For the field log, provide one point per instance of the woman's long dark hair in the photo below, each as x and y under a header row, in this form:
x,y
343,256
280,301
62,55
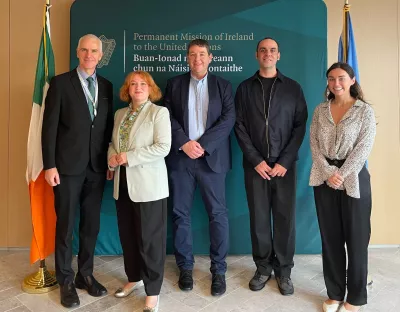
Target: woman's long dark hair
x,y
355,89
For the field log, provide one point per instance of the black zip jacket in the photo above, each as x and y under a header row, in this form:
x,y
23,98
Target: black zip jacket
x,y
273,132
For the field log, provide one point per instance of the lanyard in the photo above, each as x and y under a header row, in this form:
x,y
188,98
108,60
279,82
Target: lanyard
x,y
87,92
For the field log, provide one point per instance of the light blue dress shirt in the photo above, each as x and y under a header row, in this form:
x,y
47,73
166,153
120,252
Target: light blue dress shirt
x,y
198,107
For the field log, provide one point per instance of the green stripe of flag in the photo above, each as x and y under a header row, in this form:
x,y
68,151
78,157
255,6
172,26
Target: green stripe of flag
x,y
41,77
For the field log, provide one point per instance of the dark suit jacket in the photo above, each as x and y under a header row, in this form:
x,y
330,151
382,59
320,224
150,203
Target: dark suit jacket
x,y
220,121
70,140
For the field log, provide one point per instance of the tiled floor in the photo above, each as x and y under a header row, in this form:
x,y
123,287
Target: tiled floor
x,y
384,295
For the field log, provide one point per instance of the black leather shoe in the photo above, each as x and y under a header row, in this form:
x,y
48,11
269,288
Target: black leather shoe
x,y
258,281
186,280
285,285
69,297
89,283
218,285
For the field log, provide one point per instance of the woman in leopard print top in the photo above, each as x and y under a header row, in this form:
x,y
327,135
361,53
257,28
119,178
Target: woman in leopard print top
x,y
341,137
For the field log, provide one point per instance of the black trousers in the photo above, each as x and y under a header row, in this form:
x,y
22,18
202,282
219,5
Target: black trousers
x,y
143,234
273,249
84,190
345,220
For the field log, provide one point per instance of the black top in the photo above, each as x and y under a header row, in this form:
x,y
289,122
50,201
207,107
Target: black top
x,y
287,119
266,86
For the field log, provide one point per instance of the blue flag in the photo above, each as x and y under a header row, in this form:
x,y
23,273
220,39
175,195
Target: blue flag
x,y
347,45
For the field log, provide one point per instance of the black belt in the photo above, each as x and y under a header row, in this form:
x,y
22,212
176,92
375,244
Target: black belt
x,y
336,162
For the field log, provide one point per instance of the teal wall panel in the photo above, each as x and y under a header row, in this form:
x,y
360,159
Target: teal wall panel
x,y
300,27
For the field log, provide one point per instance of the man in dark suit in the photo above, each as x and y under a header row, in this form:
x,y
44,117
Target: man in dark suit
x,y
77,127
202,116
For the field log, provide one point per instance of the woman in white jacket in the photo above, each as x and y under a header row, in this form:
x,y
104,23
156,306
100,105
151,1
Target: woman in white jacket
x,y
141,139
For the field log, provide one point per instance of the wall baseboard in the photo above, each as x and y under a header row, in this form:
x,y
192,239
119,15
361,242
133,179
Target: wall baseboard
x,y
383,246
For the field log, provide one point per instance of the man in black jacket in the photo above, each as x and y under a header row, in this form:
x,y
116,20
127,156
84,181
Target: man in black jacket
x,y
77,126
270,126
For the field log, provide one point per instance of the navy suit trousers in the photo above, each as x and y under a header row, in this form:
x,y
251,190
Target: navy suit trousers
x,y
183,184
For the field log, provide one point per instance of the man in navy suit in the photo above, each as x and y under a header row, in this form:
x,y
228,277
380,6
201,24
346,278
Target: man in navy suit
x,y
202,116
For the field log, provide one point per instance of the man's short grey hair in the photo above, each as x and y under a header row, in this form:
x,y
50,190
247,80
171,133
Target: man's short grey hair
x,y
90,36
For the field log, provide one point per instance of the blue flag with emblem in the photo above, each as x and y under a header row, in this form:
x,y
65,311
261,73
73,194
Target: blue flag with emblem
x,y
347,45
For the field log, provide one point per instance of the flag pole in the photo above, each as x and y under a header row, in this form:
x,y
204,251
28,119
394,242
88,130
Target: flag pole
x,y
345,31
42,281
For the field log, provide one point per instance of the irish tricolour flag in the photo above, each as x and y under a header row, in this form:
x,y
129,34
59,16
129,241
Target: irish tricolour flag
x,y
41,194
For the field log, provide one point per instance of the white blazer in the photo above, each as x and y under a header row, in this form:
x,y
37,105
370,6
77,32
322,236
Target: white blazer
x,y
149,143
